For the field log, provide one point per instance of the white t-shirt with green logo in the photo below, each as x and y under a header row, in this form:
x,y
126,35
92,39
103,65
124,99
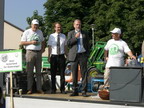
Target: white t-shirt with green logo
x,y
30,35
116,50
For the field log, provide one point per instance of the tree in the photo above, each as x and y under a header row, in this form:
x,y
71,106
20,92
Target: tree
x,y
126,14
41,22
65,12
105,14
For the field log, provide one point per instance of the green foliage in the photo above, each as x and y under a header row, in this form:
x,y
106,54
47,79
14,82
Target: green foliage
x,y
41,22
125,14
105,14
65,12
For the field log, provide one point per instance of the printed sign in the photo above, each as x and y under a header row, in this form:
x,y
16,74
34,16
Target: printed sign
x,y
11,61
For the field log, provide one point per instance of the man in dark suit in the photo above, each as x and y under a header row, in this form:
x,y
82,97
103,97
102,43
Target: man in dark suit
x,y
78,54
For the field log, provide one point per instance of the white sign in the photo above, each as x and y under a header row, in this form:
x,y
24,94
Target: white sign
x,y
11,61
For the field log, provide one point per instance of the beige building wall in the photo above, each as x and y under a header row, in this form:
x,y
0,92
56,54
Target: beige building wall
x,y
45,53
12,37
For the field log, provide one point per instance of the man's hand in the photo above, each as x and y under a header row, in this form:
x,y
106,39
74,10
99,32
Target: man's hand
x,y
34,42
133,57
77,35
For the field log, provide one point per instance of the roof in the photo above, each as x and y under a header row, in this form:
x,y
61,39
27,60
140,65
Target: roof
x,y
13,25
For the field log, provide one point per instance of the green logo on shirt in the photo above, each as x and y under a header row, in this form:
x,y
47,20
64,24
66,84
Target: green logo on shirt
x,y
114,49
36,38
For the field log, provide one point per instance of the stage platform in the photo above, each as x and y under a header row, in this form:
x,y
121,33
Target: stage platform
x,y
93,99
133,82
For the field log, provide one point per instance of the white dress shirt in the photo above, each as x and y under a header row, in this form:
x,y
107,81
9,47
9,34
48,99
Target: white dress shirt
x,y
52,41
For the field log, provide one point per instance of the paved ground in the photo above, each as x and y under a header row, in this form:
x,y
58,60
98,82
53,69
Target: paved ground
x,y
65,101
43,103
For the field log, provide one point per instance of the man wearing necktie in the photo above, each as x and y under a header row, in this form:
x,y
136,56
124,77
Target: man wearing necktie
x,y
78,55
56,52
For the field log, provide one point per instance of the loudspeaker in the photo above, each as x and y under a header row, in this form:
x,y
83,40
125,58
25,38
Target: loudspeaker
x,y
126,84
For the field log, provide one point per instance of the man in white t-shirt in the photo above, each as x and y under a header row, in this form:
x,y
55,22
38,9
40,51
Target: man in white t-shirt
x,y
114,53
33,41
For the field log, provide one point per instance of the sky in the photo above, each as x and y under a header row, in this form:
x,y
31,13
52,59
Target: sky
x,y
17,11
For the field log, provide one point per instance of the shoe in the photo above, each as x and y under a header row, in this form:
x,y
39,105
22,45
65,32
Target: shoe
x,y
74,94
53,92
40,92
29,92
63,92
84,94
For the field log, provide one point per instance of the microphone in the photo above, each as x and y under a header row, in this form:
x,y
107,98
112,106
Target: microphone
x,y
78,30
77,35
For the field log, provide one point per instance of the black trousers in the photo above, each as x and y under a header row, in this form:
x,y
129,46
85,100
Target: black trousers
x,y
81,59
58,64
